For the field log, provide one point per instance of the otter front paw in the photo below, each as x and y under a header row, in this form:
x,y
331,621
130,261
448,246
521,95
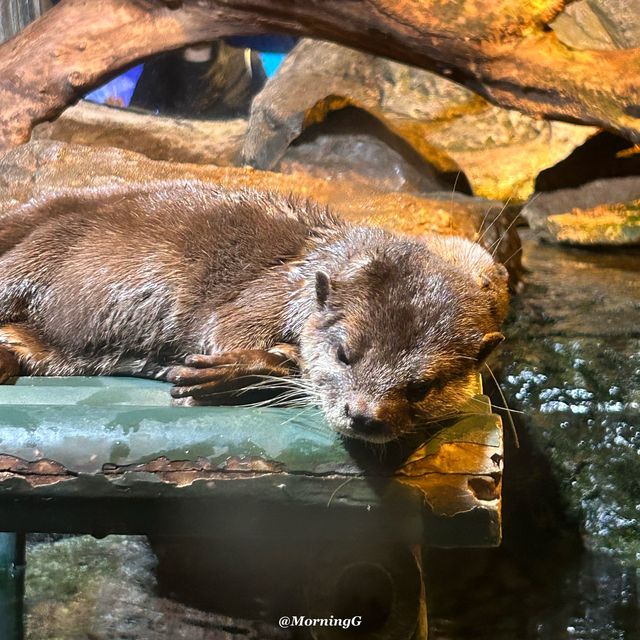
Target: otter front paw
x,y
232,376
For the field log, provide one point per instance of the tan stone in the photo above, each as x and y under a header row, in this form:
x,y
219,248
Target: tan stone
x,y
500,151
611,224
158,137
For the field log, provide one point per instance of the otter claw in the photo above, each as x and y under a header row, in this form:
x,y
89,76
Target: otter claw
x,y
211,377
195,391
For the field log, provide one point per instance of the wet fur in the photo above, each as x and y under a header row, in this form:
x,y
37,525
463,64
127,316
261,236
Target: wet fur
x,y
131,283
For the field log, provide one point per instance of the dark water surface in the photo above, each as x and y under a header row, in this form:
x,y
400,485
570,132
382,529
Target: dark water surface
x,y
569,566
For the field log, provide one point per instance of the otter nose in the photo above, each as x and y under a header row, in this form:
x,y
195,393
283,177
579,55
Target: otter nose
x,y
363,419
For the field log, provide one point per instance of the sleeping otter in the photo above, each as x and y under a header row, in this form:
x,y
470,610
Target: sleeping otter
x,y
213,290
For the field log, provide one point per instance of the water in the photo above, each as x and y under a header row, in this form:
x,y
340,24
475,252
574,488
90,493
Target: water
x,y
569,564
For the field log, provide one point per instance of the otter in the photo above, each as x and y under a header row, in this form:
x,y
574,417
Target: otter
x,y
213,290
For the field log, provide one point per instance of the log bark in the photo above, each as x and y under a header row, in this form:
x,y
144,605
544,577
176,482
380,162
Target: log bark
x,y
503,50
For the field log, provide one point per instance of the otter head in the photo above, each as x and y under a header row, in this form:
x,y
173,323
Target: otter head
x,y
399,330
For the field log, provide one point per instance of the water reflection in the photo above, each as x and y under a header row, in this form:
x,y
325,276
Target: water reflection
x,y
569,563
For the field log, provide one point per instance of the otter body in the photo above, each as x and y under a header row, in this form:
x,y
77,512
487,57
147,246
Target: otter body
x,y
382,331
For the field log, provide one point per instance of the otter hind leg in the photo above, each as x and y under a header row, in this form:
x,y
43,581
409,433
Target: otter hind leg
x,y
22,352
9,364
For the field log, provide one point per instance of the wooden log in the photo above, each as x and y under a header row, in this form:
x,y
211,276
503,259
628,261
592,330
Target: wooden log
x,y
503,50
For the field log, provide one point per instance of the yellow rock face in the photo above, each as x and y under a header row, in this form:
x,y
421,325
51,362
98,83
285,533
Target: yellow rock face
x,y
500,151
617,223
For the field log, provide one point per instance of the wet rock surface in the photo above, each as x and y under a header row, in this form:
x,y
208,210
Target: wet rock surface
x,y
569,563
598,212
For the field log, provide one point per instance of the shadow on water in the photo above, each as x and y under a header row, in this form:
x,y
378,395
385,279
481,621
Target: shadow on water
x,y
569,563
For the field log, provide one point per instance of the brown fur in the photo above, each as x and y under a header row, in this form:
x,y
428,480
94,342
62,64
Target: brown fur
x,y
132,283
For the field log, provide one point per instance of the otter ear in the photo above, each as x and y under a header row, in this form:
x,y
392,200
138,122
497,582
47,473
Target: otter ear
x,y
489,342
323,288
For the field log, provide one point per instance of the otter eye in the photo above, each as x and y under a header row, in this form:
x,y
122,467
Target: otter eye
x,y
342,355
416,391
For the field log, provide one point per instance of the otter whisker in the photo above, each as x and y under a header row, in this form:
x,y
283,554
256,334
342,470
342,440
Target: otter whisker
x,y
342,484
495,405
281,383
450,416
297,415
285,382
484,219
513,255
494,246
453,191
506,407
504,207
279,402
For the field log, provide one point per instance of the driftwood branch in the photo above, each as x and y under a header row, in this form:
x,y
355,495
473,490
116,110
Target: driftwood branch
x,y
503,50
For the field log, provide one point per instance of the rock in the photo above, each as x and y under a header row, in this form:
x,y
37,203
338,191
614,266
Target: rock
x,y
599,24
586,200
614,224
622,21
158,137
580,27
448,126
40,168
350,144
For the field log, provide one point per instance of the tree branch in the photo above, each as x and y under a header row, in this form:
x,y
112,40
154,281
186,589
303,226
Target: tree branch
x,y
501,49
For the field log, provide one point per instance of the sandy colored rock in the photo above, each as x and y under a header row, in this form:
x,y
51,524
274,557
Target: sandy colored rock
x,y
579,26
615,224
500,151
591,195
157,137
